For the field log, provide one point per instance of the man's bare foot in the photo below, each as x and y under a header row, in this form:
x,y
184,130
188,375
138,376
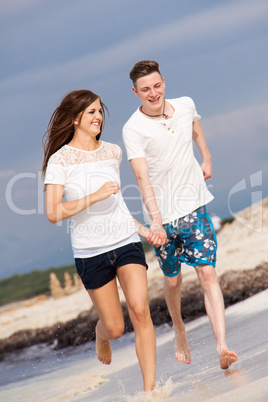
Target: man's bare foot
x,y
181,348
227,358
103,350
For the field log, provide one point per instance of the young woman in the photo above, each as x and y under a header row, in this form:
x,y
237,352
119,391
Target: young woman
x,y
85,171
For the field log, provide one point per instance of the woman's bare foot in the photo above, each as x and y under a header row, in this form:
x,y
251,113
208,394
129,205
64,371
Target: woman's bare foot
x,y
181,347
227,358
103,350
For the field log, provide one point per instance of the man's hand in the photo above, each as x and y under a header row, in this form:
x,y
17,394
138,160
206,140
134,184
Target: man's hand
x,y
207,169
157,235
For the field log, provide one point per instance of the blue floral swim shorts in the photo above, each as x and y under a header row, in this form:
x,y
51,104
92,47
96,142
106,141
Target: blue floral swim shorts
x,y
191,240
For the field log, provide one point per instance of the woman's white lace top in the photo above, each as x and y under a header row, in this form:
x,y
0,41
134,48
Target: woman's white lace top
x,y
81,172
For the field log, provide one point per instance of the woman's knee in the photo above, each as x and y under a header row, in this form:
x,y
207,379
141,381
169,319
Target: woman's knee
x,y
115,329
140,314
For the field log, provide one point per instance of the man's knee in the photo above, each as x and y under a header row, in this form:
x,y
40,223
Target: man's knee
x,y
173,282
207,274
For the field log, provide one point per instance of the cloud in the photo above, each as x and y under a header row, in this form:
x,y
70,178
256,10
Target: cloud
x,y
245,121
225,19
16,6
5,174
238,145
215,42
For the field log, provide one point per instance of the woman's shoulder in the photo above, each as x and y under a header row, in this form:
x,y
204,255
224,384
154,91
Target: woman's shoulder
x,y
58,158
112,149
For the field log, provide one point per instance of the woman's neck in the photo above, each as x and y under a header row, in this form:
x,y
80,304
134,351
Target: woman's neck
x,y
84,144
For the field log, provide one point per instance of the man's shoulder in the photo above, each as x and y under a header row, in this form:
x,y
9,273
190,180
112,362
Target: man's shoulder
x,y
183,101
133,122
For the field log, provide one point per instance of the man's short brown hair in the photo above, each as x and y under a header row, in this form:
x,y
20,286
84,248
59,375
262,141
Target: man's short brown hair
x,y
143,68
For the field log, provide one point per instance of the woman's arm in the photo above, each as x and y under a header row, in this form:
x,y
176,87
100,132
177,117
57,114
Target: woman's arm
x,y
58,211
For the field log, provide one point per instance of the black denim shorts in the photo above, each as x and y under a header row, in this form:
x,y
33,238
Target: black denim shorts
x,y
98,270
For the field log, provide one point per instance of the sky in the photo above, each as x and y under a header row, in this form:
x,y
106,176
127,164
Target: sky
x,y
213,51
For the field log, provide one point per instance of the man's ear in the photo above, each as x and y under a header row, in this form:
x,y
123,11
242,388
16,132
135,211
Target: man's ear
x,y
135,91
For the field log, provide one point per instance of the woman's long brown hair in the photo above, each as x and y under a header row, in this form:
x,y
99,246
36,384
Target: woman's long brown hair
x,y
60,130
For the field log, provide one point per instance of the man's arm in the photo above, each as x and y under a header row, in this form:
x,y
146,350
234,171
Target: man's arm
x,y
140,169
199,139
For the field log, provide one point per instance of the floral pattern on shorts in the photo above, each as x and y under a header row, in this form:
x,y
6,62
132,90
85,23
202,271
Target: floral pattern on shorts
x,y
191,240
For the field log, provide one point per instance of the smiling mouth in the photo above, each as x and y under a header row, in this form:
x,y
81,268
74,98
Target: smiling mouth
x,y
153,100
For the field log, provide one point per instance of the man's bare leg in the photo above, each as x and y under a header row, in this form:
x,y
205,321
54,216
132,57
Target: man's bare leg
x,y
172,292
214,304
227,358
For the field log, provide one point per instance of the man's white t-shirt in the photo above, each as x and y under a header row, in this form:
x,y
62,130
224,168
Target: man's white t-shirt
x,y
175,174
107,224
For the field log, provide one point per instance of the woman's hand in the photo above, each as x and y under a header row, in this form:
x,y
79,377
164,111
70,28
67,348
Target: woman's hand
x,y
105,191
157,236
58,211
146,233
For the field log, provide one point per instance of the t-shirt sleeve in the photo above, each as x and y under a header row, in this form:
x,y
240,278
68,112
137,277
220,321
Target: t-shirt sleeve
x,y
189,103
134,143
196,116
55,172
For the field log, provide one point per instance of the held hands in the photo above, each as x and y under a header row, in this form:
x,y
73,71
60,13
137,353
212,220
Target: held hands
x,y
157,235
105,191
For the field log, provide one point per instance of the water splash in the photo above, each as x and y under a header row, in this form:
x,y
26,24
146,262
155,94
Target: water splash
x,y
160,393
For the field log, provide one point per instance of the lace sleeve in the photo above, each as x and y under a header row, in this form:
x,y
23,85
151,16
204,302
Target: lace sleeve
x,y
56,159
55,172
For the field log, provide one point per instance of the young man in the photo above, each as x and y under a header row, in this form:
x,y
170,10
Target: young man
x,y
158,139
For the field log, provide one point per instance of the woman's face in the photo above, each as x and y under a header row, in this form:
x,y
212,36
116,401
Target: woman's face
x,y
91,119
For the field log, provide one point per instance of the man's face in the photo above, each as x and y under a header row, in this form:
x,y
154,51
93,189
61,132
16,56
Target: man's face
x,y
151,91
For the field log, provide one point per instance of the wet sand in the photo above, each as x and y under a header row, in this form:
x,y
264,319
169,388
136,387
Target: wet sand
x,y
85,379
203,380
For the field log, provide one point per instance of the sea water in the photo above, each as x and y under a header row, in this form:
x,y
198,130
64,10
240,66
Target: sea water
x,y
40,373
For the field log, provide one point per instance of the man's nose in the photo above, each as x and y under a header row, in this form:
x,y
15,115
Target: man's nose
x,y
152,92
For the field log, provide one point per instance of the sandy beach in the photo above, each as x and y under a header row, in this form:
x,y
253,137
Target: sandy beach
x,y
242,245
74,374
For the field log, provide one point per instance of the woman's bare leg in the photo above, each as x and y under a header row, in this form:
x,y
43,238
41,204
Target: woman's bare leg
x,y
133,280
111,323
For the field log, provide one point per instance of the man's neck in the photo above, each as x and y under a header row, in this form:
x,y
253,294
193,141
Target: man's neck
x,y
166,112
